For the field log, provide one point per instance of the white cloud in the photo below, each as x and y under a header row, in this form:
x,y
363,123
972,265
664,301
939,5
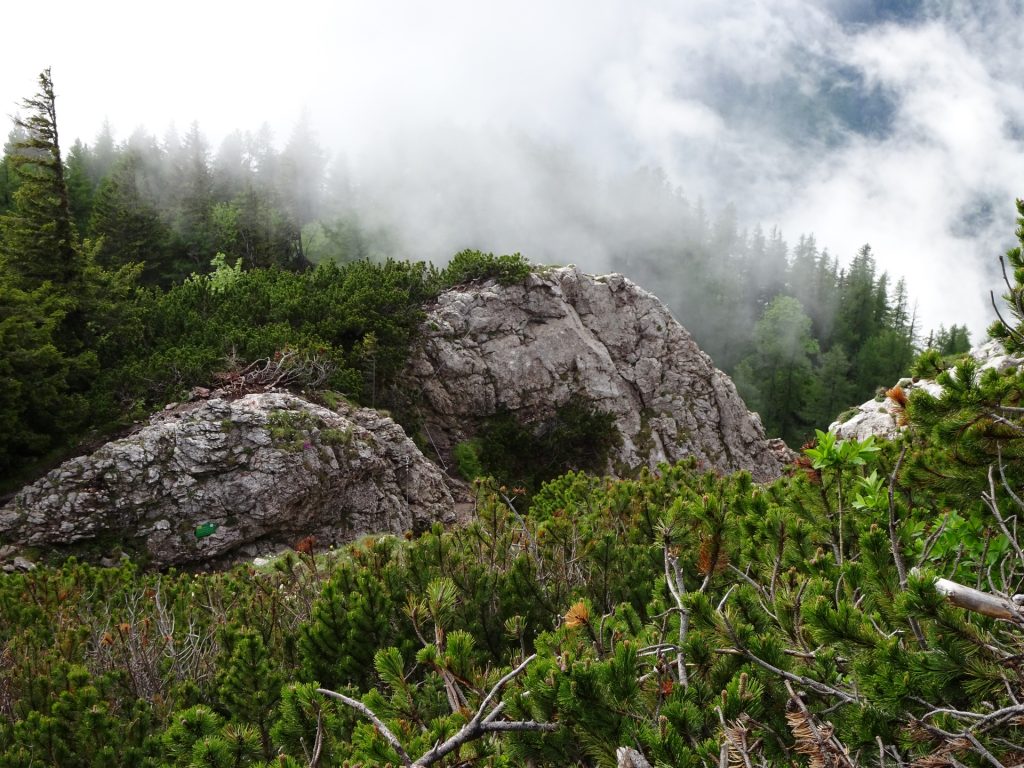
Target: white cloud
x,y
907,192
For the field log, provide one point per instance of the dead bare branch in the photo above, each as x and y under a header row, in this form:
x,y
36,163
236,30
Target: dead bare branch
x,y
372,717
482,722
674,579
975,600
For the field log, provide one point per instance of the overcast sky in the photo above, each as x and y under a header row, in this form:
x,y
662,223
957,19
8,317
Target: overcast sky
x,y
899,124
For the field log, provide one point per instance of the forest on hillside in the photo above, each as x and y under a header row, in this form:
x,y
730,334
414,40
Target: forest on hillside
x,y
677,618
131,271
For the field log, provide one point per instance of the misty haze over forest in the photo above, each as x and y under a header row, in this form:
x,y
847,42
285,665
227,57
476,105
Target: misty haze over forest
x,y
512,128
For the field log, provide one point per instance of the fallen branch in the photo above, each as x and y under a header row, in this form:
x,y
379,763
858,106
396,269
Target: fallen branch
x,y
975,600
368,713
479,725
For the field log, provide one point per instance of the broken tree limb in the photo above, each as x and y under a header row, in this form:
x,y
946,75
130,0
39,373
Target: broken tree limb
x,y
975,600
479,725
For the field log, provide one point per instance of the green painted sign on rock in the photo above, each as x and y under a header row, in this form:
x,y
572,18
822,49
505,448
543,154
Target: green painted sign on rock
x,y
204,530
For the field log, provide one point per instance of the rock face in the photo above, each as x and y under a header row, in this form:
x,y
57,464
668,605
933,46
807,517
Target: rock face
x,y
529,348
222,478
881,416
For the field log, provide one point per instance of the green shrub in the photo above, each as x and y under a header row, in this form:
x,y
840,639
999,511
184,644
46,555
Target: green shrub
x,y
332,436
470,266
467,459
576,437
289,430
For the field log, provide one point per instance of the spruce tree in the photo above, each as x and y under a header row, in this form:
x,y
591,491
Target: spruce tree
x,y
858,302
39,242
81,188
34,408
192,200
777,377
129,224
9,180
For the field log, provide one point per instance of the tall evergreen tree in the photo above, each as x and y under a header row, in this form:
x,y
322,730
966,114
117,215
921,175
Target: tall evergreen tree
x,y
953,341
81,187
301,185
858,306
34,407
826,298
39,242
776,378
9,179
193,186
129,224
103,154
833,389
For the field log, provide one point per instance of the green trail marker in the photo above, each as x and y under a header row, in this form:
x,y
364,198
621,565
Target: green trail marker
x,y
204,530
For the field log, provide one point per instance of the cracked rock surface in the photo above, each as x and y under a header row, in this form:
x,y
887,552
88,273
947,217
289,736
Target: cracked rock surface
x,y
529,348
236,477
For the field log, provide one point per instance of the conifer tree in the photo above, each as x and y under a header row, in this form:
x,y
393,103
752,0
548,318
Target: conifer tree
x,y
103,154
34,407
976,422
81,188
192,190
250,686
39,242
859,307
9,179
832,390
777,376
128,222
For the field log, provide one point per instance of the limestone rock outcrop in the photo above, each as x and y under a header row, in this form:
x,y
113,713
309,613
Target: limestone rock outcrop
x,y
528,348
882,416
226,477
223,478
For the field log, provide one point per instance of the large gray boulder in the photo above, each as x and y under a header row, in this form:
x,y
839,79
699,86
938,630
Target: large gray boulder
x,y
221,478
530,347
